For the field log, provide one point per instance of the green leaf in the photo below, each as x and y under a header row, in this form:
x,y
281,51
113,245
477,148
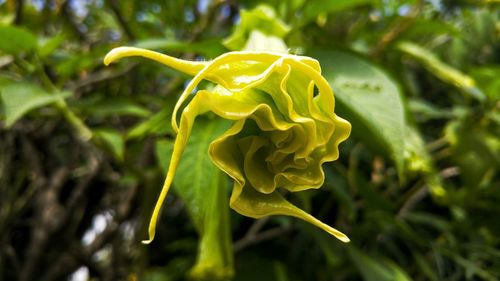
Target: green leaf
x,y
20,98
369,99
47,46
258,41
441,70
486,77
159,123
113,140
113,106
431,27
375,269
315,8
203,188
15,40
425,267
71,63
418,159
476,149
262,18
425,111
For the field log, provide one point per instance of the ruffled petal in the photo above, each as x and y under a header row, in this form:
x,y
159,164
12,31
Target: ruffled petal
x,y
284,127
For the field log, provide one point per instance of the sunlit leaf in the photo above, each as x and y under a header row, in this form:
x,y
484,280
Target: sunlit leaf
x,y
20,98
203,188
370,99
258,41
262,18
15,40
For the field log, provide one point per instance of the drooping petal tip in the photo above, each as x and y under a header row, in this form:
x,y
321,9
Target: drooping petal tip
x,y
344,239
114,55
151,235
146,242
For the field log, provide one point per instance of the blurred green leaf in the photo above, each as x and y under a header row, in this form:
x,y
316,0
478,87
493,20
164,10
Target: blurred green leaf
x,y
70,63
315,8
369,99
258,41
203,188
425,267
419,160
47,46
487,79
471,268
262,18
428,220
20,98
373,269
339,187
476,149
440,69
174,270
113,140
431,27
15,40
159,123
252,266
112,106
425,111
209,48
280,271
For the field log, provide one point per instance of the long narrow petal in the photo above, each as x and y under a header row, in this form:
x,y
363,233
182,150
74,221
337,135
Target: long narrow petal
x,y
188,67
187,120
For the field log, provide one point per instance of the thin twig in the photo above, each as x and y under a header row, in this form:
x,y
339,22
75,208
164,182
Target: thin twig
x,y
49,213
115,7
100,76
19,12
450,172
260,237
81,254
257,226
253,236
205,20
417,196
436,144
398,28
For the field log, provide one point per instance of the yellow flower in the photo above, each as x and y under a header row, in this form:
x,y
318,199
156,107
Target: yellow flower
x,y
284,127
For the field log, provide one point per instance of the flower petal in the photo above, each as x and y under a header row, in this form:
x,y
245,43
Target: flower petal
x,y
251,203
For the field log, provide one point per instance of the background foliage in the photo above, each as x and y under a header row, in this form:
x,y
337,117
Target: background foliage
x,y
83,147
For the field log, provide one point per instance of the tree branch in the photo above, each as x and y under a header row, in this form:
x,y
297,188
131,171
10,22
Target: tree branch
x,y
115,7
398,27
253,236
